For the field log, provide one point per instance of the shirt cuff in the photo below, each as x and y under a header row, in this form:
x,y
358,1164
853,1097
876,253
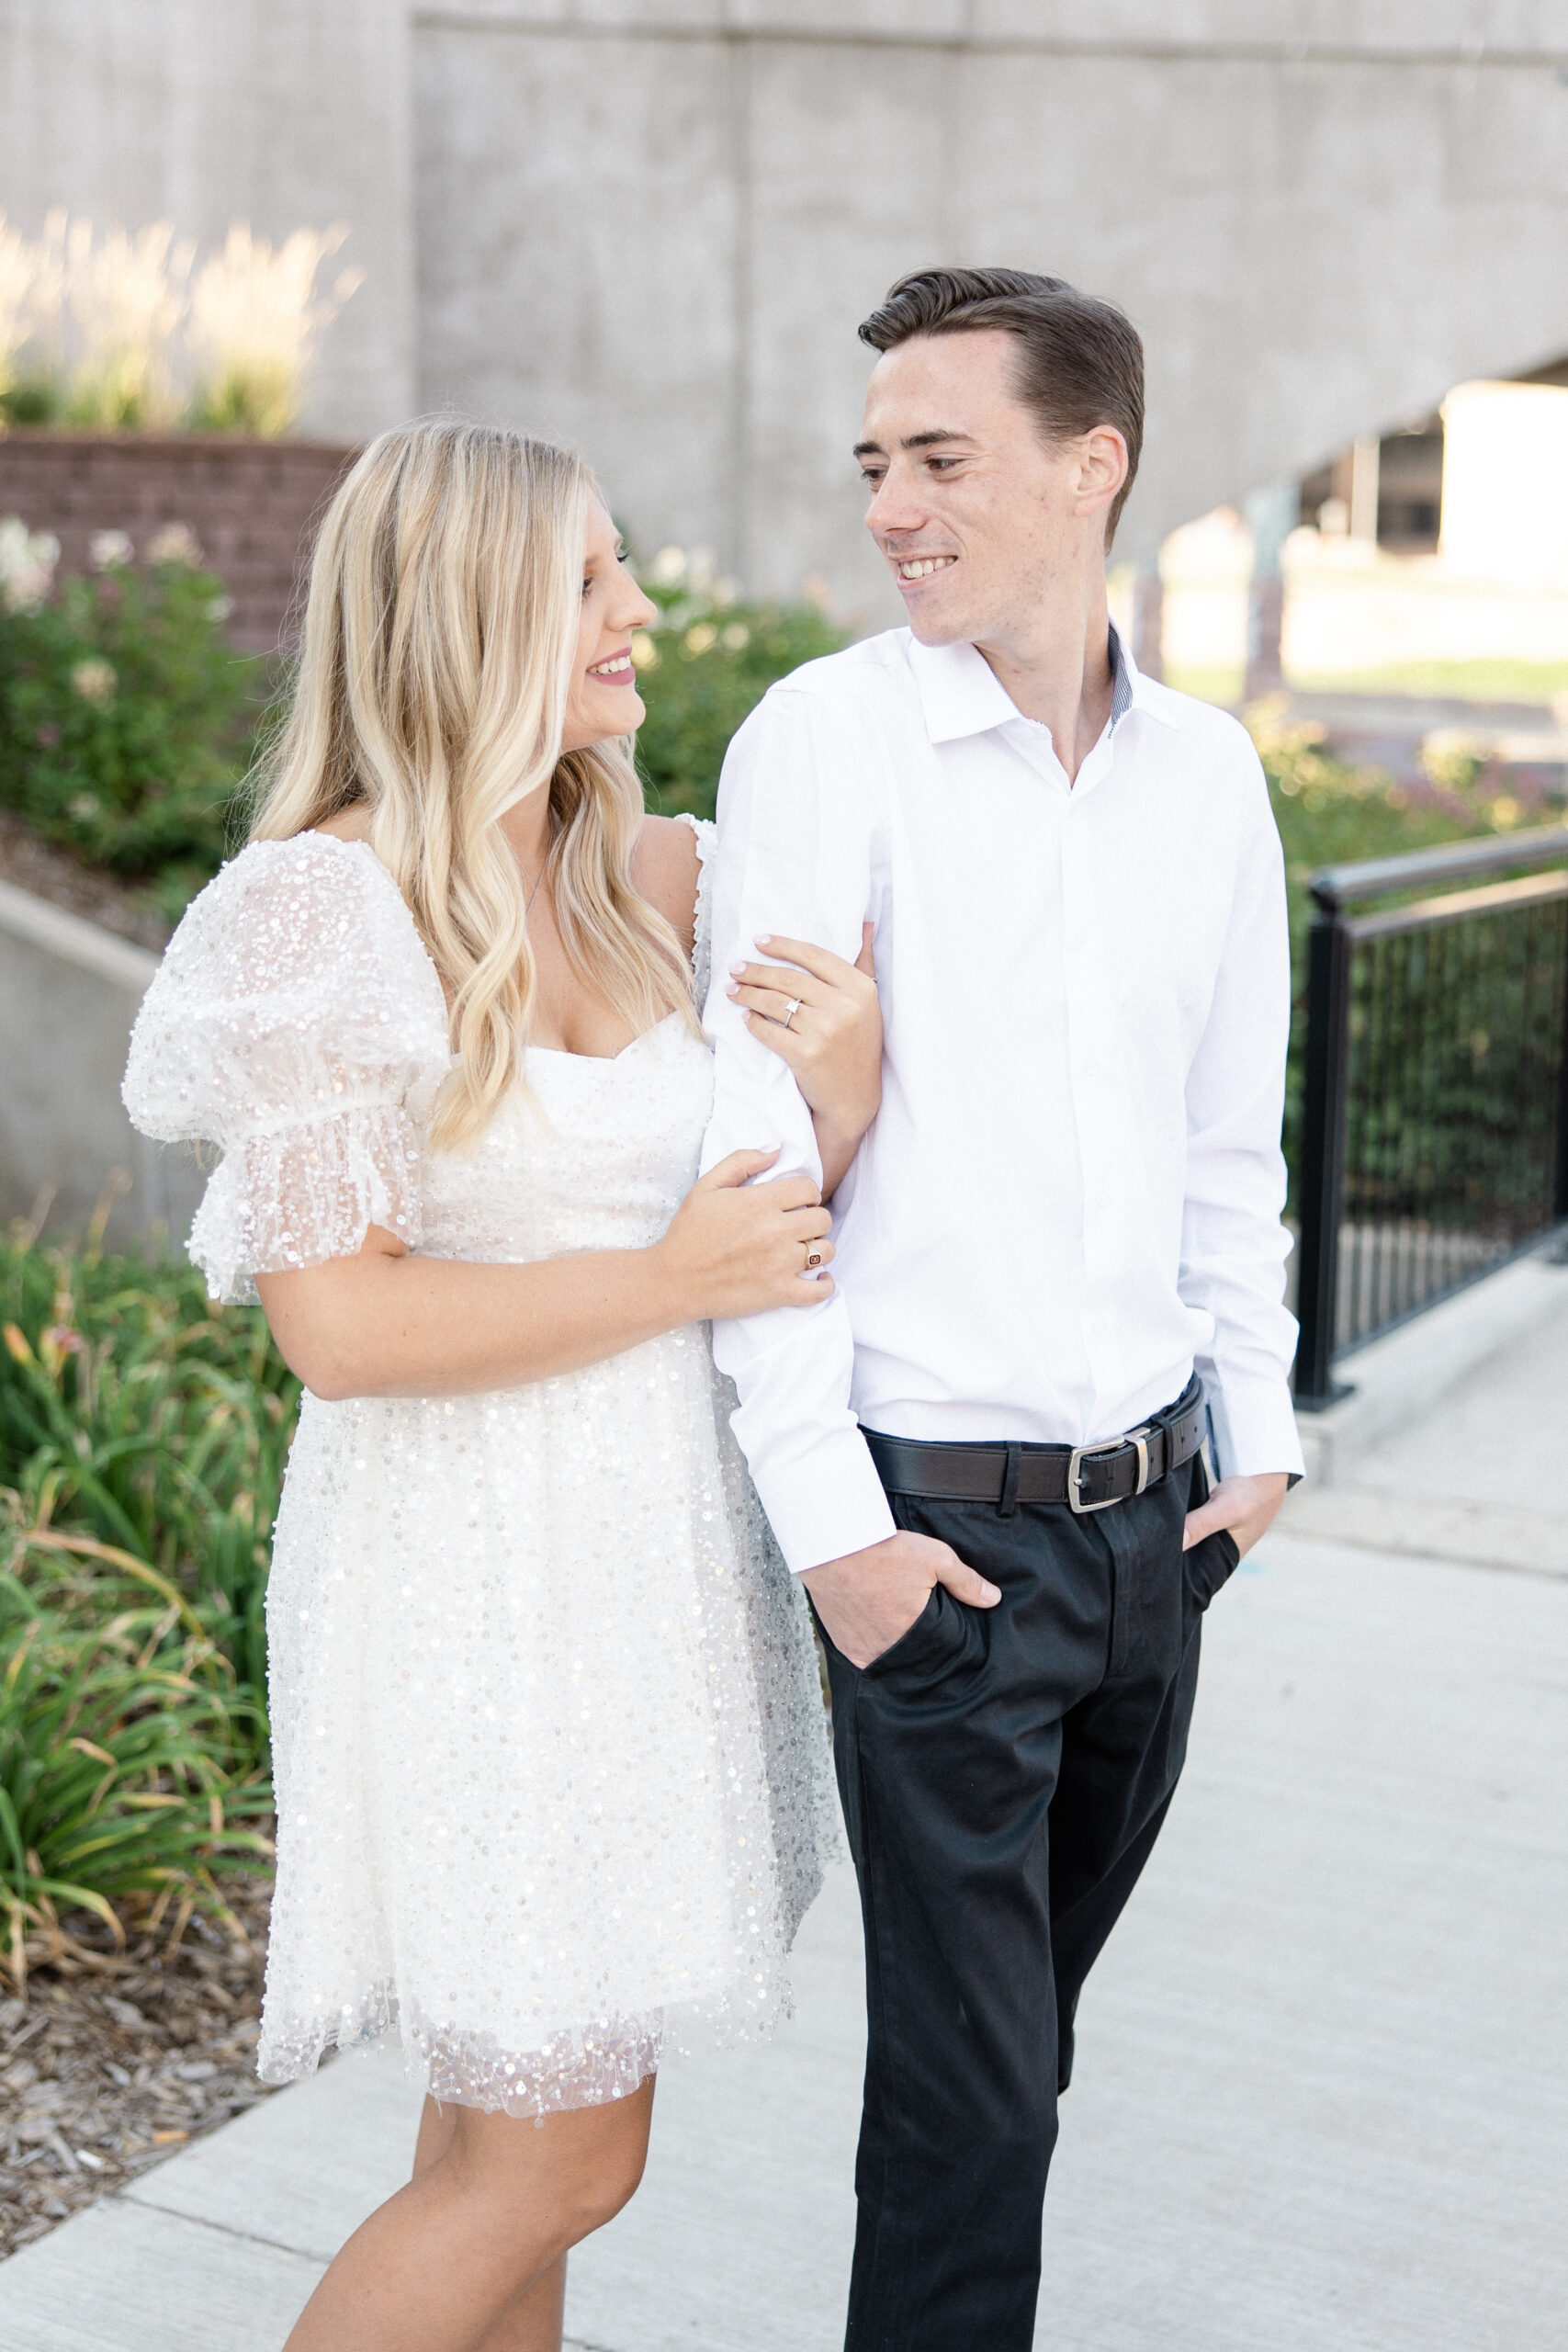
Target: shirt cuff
x,y
1253,1427
826,1503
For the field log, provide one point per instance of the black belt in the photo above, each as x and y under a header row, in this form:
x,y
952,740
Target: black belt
x,y
1085,1477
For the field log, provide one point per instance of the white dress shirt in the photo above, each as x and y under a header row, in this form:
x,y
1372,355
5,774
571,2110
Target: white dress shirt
x,y
1072,1194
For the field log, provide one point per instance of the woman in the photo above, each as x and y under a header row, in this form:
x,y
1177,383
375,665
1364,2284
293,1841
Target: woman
x,y
547,1732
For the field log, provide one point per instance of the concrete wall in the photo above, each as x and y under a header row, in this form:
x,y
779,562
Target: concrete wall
x,y
68,995
655,223
285,113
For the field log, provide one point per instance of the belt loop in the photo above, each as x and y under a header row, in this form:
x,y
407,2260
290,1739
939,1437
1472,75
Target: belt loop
x,y
1008,1503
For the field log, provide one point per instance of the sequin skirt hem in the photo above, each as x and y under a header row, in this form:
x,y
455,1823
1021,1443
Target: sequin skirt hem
x,y
585,2065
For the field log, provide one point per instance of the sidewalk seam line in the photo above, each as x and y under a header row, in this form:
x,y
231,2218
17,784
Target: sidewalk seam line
x,y
225,2229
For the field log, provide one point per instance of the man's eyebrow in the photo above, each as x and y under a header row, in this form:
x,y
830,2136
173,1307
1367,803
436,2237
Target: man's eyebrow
x,y
914,441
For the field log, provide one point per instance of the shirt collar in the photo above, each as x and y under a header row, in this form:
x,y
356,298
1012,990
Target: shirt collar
x,y
959,691
961,695
1122,675
1134,692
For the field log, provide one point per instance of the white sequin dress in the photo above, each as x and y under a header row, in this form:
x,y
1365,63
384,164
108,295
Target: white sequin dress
x,y
548,1740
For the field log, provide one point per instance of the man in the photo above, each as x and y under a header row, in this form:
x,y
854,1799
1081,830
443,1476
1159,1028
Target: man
x,y
982,1455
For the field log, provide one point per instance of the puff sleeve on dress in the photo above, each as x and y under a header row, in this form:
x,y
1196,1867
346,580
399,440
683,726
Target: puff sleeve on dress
x,y
292,1015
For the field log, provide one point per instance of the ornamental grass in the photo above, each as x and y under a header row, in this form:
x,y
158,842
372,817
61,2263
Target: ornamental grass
x,y
255,320
106,328
143,1435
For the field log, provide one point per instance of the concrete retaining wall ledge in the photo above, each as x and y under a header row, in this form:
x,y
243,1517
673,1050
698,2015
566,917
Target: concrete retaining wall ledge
x,y
69,993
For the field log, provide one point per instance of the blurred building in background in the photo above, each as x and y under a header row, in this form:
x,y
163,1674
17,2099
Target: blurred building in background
x,y
1444,544
654,224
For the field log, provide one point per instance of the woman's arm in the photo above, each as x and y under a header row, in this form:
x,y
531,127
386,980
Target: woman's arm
x,y
832,1040
391,1323
834,1043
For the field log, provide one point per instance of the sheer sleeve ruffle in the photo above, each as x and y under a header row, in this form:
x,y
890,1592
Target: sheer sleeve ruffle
x,y
702,933
306,1193
292,1016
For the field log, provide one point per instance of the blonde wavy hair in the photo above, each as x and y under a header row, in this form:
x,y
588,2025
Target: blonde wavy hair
x,y
441,631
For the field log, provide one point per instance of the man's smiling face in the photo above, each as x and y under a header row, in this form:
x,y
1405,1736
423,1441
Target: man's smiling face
x,y
978,516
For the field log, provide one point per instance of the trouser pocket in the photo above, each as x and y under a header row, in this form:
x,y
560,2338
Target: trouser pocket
x,y
1210,1564
938,1634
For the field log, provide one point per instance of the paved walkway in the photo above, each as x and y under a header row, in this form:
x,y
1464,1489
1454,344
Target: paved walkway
x,y
1320,2103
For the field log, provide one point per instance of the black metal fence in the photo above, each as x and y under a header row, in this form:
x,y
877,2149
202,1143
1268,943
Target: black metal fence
x,y
1435,1120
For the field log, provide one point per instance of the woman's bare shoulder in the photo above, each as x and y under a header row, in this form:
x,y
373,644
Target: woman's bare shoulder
x,y
350,824
665,869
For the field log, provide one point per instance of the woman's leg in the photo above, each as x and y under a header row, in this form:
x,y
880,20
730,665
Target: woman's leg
x,y
474,2238
438,2128
532,2323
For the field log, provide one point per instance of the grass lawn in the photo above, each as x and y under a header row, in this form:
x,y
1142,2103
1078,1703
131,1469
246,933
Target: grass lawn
x,y
1536,682
1466,681
1222,686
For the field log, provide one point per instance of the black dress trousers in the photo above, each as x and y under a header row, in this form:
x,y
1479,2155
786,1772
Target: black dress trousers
x,y
1004,1775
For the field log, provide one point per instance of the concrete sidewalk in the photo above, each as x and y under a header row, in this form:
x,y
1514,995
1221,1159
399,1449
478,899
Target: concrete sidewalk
x,y
1320,2102
1453,1440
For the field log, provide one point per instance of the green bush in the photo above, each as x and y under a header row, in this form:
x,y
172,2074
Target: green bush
x,y
126,721
707,663
1332,814
32,399
143,1435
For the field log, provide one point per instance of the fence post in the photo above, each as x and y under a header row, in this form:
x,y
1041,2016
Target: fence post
x,y
1323,1148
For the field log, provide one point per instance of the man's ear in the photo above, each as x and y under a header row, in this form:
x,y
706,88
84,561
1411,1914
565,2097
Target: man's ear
x,y
1102,468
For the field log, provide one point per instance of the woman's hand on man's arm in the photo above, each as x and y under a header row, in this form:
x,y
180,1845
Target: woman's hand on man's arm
x,y
832,1040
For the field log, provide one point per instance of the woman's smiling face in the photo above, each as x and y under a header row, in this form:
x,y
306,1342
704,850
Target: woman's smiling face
x,y
605,700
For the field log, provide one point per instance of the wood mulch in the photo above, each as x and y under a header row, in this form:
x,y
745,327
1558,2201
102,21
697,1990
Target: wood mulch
x,y
49,873
107,2069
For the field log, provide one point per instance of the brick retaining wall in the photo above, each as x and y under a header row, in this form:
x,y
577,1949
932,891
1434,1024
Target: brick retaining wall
x,y
252,504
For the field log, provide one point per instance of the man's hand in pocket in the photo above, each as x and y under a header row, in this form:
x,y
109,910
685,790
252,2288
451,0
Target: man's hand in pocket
x,y
1246,1506
869,1600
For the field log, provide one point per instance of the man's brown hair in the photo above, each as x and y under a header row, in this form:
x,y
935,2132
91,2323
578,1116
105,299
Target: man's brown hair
x,y
1080,361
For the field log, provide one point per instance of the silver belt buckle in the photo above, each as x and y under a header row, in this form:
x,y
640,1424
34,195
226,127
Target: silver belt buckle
x,y
1138,1437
